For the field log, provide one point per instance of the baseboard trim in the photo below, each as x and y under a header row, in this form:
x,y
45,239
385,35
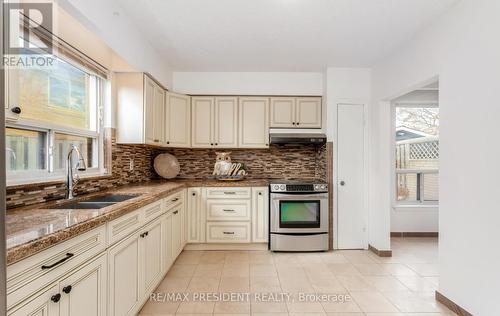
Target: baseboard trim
x,y
414,234
227,246
380,253
451,305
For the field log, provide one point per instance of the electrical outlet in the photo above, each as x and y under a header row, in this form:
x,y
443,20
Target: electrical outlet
x,y
131,165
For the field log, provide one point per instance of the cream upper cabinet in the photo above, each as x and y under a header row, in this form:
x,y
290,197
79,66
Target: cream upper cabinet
x,y
140,109
226,122
202,122
177,120
308,112
290,112
282,112
253,122
214,122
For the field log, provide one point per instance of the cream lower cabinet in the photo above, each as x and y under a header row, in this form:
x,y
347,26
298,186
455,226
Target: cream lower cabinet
x,y
260,214
40,304
195,216
151,250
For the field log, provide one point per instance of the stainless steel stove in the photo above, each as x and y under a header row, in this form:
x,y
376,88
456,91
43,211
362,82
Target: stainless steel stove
x,y
298,216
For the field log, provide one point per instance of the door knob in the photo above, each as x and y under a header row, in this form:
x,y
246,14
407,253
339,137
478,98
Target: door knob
x,y
342,183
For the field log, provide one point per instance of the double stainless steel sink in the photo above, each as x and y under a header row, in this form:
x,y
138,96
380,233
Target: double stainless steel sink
x,y
96,202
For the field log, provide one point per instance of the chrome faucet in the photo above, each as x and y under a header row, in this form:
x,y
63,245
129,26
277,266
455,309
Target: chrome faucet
x,y
72,178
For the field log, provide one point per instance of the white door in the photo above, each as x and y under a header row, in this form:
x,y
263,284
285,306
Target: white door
x,y
124,277
84,291
202,122
282,112
226,122
254,122
351,222
178,120
308,113
151,267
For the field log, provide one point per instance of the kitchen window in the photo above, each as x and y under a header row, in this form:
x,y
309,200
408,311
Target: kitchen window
x,y
417,154
60,106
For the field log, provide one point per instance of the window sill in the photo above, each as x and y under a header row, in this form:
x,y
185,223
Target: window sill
x,y
413,206
27,184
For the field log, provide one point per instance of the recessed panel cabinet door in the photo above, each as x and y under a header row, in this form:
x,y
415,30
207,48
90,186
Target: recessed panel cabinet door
x,y
260,214
226,122
151,256
168,256
41,304
159,108
202,122
84,292
178,120
254,122
124,264
149,110
176,231
308,112
282,112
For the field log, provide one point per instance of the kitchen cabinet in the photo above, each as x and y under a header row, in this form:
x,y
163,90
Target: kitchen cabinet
x,y
151,253
214,122
177,230
253,122
124,283
260,214
168,254
84,291
291,112
41,304
177,120
195,216
140,109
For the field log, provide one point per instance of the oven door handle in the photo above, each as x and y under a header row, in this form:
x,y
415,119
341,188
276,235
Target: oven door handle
x,y
293,196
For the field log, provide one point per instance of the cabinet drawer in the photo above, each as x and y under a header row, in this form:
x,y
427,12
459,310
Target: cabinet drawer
x,y
123,226
174,199
33,273
228,193
233,232
152,211
228,210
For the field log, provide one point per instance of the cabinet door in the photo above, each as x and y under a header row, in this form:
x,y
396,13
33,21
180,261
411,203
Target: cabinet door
x,y
168,257
226,122
202,122
83,293
282,112
176,232
149,110
260,214
151,267
124,277
40,304
159,108
308,113
178,120
196,226
253,122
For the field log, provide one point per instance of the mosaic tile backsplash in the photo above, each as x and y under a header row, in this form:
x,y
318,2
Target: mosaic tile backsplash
x,y
305,162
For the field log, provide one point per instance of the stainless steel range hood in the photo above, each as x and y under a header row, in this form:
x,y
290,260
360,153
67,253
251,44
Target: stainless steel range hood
x,y
297,138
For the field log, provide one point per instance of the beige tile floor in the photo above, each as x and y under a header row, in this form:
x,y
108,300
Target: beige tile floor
x,y
401,285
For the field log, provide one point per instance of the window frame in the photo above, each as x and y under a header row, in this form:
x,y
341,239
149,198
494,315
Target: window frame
x,y
394,171
49,174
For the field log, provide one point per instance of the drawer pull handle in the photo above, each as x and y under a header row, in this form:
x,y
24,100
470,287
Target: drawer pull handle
x,y
175,200
229,192
228,210
228,233
176,212
144,234
67,289
68,255
55,298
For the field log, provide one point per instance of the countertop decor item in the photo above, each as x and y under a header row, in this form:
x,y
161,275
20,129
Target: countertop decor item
x,y
167,166
225,170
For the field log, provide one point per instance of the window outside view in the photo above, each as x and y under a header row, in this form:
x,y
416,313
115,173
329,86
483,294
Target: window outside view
x,y
417,154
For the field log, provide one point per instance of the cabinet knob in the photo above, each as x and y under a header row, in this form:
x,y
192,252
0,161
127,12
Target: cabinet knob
x,y
293,123
67,289
194,193
211,144
216,144
16,110
260,193
168,142
55,298
297,123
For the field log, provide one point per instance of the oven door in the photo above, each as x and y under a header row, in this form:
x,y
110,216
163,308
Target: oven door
x,y
299,213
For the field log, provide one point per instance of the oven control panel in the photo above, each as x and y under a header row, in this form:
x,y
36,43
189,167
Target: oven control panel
x,y
312,187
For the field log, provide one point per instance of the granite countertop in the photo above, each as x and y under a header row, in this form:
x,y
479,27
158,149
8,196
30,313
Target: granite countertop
x,y
34,228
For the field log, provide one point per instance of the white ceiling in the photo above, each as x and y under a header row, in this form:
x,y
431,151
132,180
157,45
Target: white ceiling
x,y
278,35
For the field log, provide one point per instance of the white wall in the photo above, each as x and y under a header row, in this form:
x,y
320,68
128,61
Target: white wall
x,y
462,48
120,35
249,83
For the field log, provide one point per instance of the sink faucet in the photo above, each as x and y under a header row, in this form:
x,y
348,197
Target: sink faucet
x,y
73,178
